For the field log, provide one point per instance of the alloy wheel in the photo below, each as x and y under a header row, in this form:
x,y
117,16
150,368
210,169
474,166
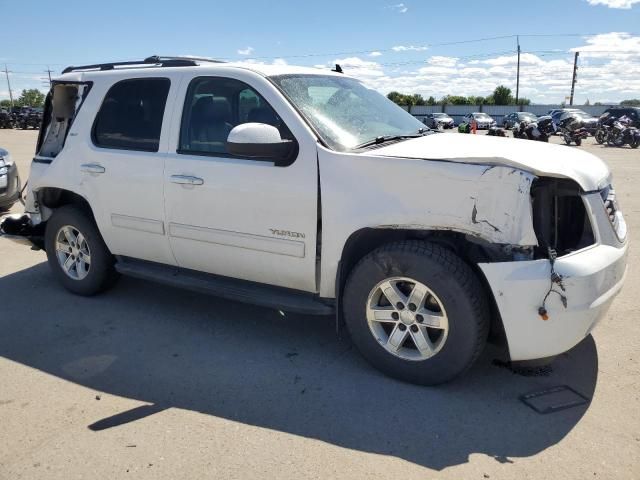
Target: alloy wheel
x,y
407,318
73,252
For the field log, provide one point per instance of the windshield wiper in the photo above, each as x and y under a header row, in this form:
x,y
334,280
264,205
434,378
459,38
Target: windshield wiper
x,y
389,138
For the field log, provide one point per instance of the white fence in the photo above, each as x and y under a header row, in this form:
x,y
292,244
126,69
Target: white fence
x,y
497,111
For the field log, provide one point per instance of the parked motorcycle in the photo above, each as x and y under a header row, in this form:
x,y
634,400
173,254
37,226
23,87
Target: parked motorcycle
x,y
573,130
540,130
622,133
496,132
602,133
519,129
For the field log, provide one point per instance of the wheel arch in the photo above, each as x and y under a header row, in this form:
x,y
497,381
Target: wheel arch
x,y
365,240
54,197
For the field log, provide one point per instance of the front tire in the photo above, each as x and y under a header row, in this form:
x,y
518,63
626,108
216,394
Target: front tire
x,y
77,253
416,312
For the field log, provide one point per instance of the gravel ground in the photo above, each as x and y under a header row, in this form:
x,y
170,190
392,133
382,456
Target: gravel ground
x,y
150,382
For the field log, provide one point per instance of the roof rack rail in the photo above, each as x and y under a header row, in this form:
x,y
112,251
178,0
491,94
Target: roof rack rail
x,y
155,60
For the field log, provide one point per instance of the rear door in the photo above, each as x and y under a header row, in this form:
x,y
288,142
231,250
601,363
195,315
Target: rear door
x,y
122,164
240,217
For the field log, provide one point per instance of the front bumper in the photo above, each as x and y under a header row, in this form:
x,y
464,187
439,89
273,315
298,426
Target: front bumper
x,y
592,278
9,187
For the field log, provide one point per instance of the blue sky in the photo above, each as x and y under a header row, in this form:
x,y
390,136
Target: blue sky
x,y
388,44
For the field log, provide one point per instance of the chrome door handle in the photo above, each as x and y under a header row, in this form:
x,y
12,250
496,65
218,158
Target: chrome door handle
x,y
186,180
92,168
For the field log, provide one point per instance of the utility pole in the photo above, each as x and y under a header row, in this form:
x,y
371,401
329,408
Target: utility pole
x,y
47,83
6,72
575,77
518,74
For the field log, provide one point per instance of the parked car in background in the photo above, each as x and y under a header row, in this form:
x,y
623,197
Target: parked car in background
x,y
483,120
9,181
6,120
209,176
516,117
29,117
438,120
632,113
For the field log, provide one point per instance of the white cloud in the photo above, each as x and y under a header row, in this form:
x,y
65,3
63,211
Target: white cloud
x,y
614,3
544,79
409,48
399,7
618,45
245,51
442,61
375,54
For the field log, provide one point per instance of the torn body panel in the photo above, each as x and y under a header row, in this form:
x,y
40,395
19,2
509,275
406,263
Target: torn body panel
x,y
592,278
491,203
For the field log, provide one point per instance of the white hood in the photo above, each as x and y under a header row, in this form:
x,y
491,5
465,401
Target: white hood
x,y
539,158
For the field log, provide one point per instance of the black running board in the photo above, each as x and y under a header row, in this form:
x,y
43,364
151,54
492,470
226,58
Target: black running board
x,y
243,291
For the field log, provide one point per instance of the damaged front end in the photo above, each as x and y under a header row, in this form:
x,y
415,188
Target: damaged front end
x,y
552,301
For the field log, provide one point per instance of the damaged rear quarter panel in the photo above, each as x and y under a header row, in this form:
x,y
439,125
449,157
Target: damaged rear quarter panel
x,y
365,191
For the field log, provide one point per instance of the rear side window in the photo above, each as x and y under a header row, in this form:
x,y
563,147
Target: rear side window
x,y
130,117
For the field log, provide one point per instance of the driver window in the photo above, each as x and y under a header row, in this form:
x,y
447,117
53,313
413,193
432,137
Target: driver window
x,y
214,106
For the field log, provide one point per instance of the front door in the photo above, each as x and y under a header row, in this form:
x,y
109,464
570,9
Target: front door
x,y
240,217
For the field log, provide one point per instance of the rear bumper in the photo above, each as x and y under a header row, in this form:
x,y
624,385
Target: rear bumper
x,y
592,278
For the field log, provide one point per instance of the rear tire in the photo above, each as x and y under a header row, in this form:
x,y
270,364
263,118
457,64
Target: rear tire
x,y
456,321
77,253
578,141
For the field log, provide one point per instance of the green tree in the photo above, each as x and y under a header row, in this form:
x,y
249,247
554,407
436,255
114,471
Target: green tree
x,y
502,95
395,97
634,102
431,101
5,103
416,99
455,100
31,98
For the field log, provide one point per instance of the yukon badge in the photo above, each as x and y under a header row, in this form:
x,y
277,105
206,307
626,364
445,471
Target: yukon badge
x,y
286,233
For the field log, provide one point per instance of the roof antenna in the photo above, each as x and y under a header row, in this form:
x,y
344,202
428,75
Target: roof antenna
x,y
338,69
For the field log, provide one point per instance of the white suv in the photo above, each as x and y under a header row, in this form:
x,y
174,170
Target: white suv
x,y
304,190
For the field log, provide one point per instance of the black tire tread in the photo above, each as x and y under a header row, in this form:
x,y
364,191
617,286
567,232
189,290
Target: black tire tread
x,y
105,276
457,268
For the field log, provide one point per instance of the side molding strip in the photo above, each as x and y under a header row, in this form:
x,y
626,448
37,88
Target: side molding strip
x,y
279,246
137,223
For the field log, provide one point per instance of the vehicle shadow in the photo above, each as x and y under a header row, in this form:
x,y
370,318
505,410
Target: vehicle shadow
x,y
290,373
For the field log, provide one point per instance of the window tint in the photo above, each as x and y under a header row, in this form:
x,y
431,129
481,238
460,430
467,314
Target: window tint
x,y
130,117
213,106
